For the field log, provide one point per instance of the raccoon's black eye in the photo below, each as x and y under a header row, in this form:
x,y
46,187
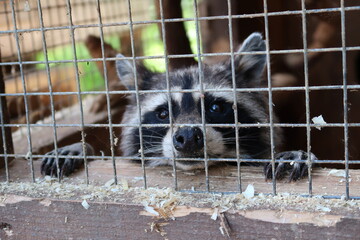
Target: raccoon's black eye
x,y
163,114
216,107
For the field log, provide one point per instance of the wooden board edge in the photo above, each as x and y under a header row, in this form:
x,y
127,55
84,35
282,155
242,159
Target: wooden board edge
x,y
30,218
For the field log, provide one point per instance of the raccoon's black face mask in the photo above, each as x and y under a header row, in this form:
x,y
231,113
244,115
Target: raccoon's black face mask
x,y
195,99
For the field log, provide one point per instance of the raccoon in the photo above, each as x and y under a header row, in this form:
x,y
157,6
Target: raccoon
x,y
196,96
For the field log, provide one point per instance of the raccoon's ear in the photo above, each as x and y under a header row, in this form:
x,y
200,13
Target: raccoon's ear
x,y
250,67
125,71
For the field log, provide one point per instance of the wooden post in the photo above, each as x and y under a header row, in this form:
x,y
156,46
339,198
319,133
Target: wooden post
x,y
4,118
177,41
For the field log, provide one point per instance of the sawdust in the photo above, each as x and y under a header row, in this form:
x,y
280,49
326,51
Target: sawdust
x,y
162,201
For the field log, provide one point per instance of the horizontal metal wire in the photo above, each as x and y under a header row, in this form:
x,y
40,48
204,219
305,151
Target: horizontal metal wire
x,y
127,92
332,49
226,17
197,159
56,5
268,194
247,160
229,125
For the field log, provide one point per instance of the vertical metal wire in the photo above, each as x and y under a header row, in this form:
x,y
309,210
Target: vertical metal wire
x,y
53,120
29,154
137,92
235,98
270,102
201,79
72,35
30,20
307,97
107,91
62,43
51,23
12,50
345,100
168,88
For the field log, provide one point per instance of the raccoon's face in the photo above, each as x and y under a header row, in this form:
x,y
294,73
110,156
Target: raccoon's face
x,y
189,103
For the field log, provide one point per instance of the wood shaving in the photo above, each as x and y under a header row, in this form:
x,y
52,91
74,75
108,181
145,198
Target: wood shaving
x,y
165,200
85,204
337,173
110,182
150,209
124,184
249,192
319,120
215,214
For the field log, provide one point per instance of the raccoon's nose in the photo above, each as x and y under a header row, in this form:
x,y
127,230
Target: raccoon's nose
x,y
188,139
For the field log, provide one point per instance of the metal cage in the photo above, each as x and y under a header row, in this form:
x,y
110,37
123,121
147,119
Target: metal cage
x,y
31,30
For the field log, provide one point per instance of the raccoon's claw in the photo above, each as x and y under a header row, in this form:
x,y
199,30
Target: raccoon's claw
x,y
297,169
67,165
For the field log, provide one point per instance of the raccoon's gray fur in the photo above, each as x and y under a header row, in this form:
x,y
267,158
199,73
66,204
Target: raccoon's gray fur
x,y
184,141
187,142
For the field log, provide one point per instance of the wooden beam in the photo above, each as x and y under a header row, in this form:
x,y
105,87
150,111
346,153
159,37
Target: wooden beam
x,y
177,42
24,217
6,135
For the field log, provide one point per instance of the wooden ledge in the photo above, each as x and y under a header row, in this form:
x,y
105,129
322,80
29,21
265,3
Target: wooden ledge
x,y
31,218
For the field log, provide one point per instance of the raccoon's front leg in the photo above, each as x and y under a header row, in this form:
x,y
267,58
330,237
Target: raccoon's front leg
x,y
67,165
296,169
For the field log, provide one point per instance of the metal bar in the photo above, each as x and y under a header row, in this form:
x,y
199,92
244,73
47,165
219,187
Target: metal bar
x,y
72,35
12,50
108,104
229,125
53,119
30,151
334,49
324,161
233,76
30,20
345,102
137,93
62,40
270,102
256,194
274,89
202,102
255,15
168,87
307,95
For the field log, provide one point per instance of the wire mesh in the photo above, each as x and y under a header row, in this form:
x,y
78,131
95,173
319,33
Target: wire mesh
x,y
25,36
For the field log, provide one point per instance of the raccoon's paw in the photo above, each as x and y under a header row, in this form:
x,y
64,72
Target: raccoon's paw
x,y
297,169
67,165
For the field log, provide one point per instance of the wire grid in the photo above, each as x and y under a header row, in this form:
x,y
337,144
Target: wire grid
x,y
30,29
107,22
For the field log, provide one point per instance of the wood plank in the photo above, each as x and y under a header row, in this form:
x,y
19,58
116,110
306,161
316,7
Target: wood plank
x,y
6,143
28,218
